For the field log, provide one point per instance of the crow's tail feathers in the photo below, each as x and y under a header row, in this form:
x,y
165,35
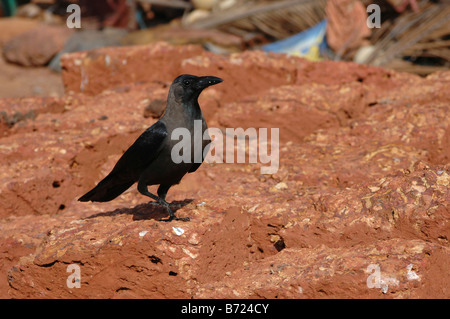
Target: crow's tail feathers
x,y
108,189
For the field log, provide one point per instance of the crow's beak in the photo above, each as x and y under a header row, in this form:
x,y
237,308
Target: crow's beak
x,y
206,81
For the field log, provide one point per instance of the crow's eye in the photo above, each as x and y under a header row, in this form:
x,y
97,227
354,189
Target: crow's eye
x,y
186,82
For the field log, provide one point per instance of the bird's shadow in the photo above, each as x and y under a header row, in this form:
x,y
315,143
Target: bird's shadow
x,y
146,211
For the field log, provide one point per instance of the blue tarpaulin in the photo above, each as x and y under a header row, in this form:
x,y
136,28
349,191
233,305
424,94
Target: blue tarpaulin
x,y
307,43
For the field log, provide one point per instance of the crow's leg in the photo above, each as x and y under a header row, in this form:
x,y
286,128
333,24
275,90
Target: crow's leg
x,y
143,189
162,192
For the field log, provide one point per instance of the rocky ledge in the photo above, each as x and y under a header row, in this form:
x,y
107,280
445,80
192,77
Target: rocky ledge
x,y
358,208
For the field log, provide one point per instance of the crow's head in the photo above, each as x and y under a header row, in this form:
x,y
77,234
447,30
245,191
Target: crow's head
x,y
188,87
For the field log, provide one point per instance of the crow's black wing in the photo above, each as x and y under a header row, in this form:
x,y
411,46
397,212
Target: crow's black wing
x,y
130,166
143,151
